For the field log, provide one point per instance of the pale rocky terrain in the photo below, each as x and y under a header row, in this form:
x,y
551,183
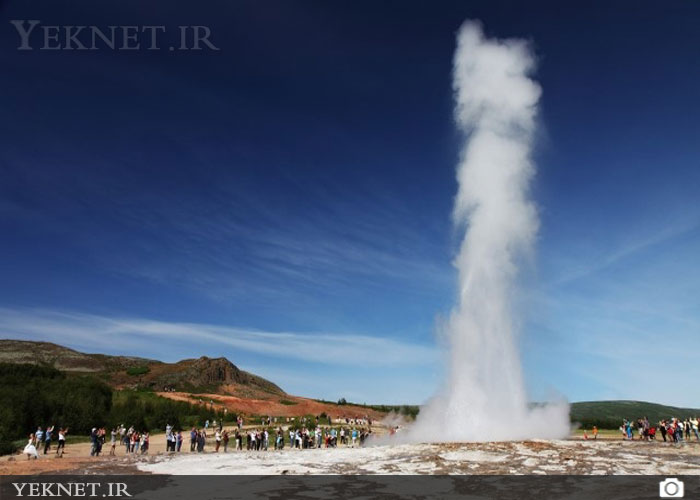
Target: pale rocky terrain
x,y
529,457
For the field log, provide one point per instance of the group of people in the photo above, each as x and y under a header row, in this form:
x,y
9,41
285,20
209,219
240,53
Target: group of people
x,y
260,439
319,437
673,430
43,438
134,441
137,442
173,440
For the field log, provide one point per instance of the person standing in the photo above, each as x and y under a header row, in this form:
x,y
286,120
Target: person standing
x,y
193,439
61,442
30,449
662,428
679,430
145,442
38,437
126,442
47,439
279,442
113,442
694,427
134,442
168,438
201,441
93,441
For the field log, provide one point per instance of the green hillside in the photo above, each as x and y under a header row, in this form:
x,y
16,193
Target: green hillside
x,y
609,414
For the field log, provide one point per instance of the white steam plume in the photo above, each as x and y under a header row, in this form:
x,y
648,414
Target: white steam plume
x,y
496,108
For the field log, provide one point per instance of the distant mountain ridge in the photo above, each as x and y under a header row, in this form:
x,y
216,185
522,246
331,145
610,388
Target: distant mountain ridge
x,y
202,374
610,413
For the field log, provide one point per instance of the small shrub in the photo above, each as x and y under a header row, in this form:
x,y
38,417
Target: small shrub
x,y
138,370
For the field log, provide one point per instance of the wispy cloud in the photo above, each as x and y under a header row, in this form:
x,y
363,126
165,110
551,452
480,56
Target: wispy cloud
x,y
133,336
623,252
272,252
297,236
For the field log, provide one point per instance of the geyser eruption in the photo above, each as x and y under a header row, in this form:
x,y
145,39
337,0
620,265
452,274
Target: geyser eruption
x,y
496,109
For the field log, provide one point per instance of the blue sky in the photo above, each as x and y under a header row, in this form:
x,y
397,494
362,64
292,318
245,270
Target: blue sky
x,y
285,201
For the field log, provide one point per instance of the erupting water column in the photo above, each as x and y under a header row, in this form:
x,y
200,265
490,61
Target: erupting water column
x,y
496,107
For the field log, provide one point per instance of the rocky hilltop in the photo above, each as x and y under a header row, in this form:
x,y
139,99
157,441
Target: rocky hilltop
x,y
202,374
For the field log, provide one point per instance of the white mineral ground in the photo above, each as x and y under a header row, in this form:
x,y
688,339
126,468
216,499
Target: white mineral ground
x,y
528,457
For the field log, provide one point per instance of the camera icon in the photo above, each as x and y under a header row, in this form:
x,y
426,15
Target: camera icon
x,y
671,488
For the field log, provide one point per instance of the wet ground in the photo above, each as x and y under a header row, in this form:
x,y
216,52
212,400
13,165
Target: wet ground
x,y
529,457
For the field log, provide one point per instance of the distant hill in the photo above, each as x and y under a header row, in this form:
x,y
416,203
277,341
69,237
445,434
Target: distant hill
x,y
192,375
219,376
609,414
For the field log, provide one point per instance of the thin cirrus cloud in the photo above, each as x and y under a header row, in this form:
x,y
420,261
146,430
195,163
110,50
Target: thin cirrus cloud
x,y
234,242
632,248
125,335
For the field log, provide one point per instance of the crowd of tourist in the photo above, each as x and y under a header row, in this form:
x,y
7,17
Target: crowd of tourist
x,y
297,433
673,430
264,438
